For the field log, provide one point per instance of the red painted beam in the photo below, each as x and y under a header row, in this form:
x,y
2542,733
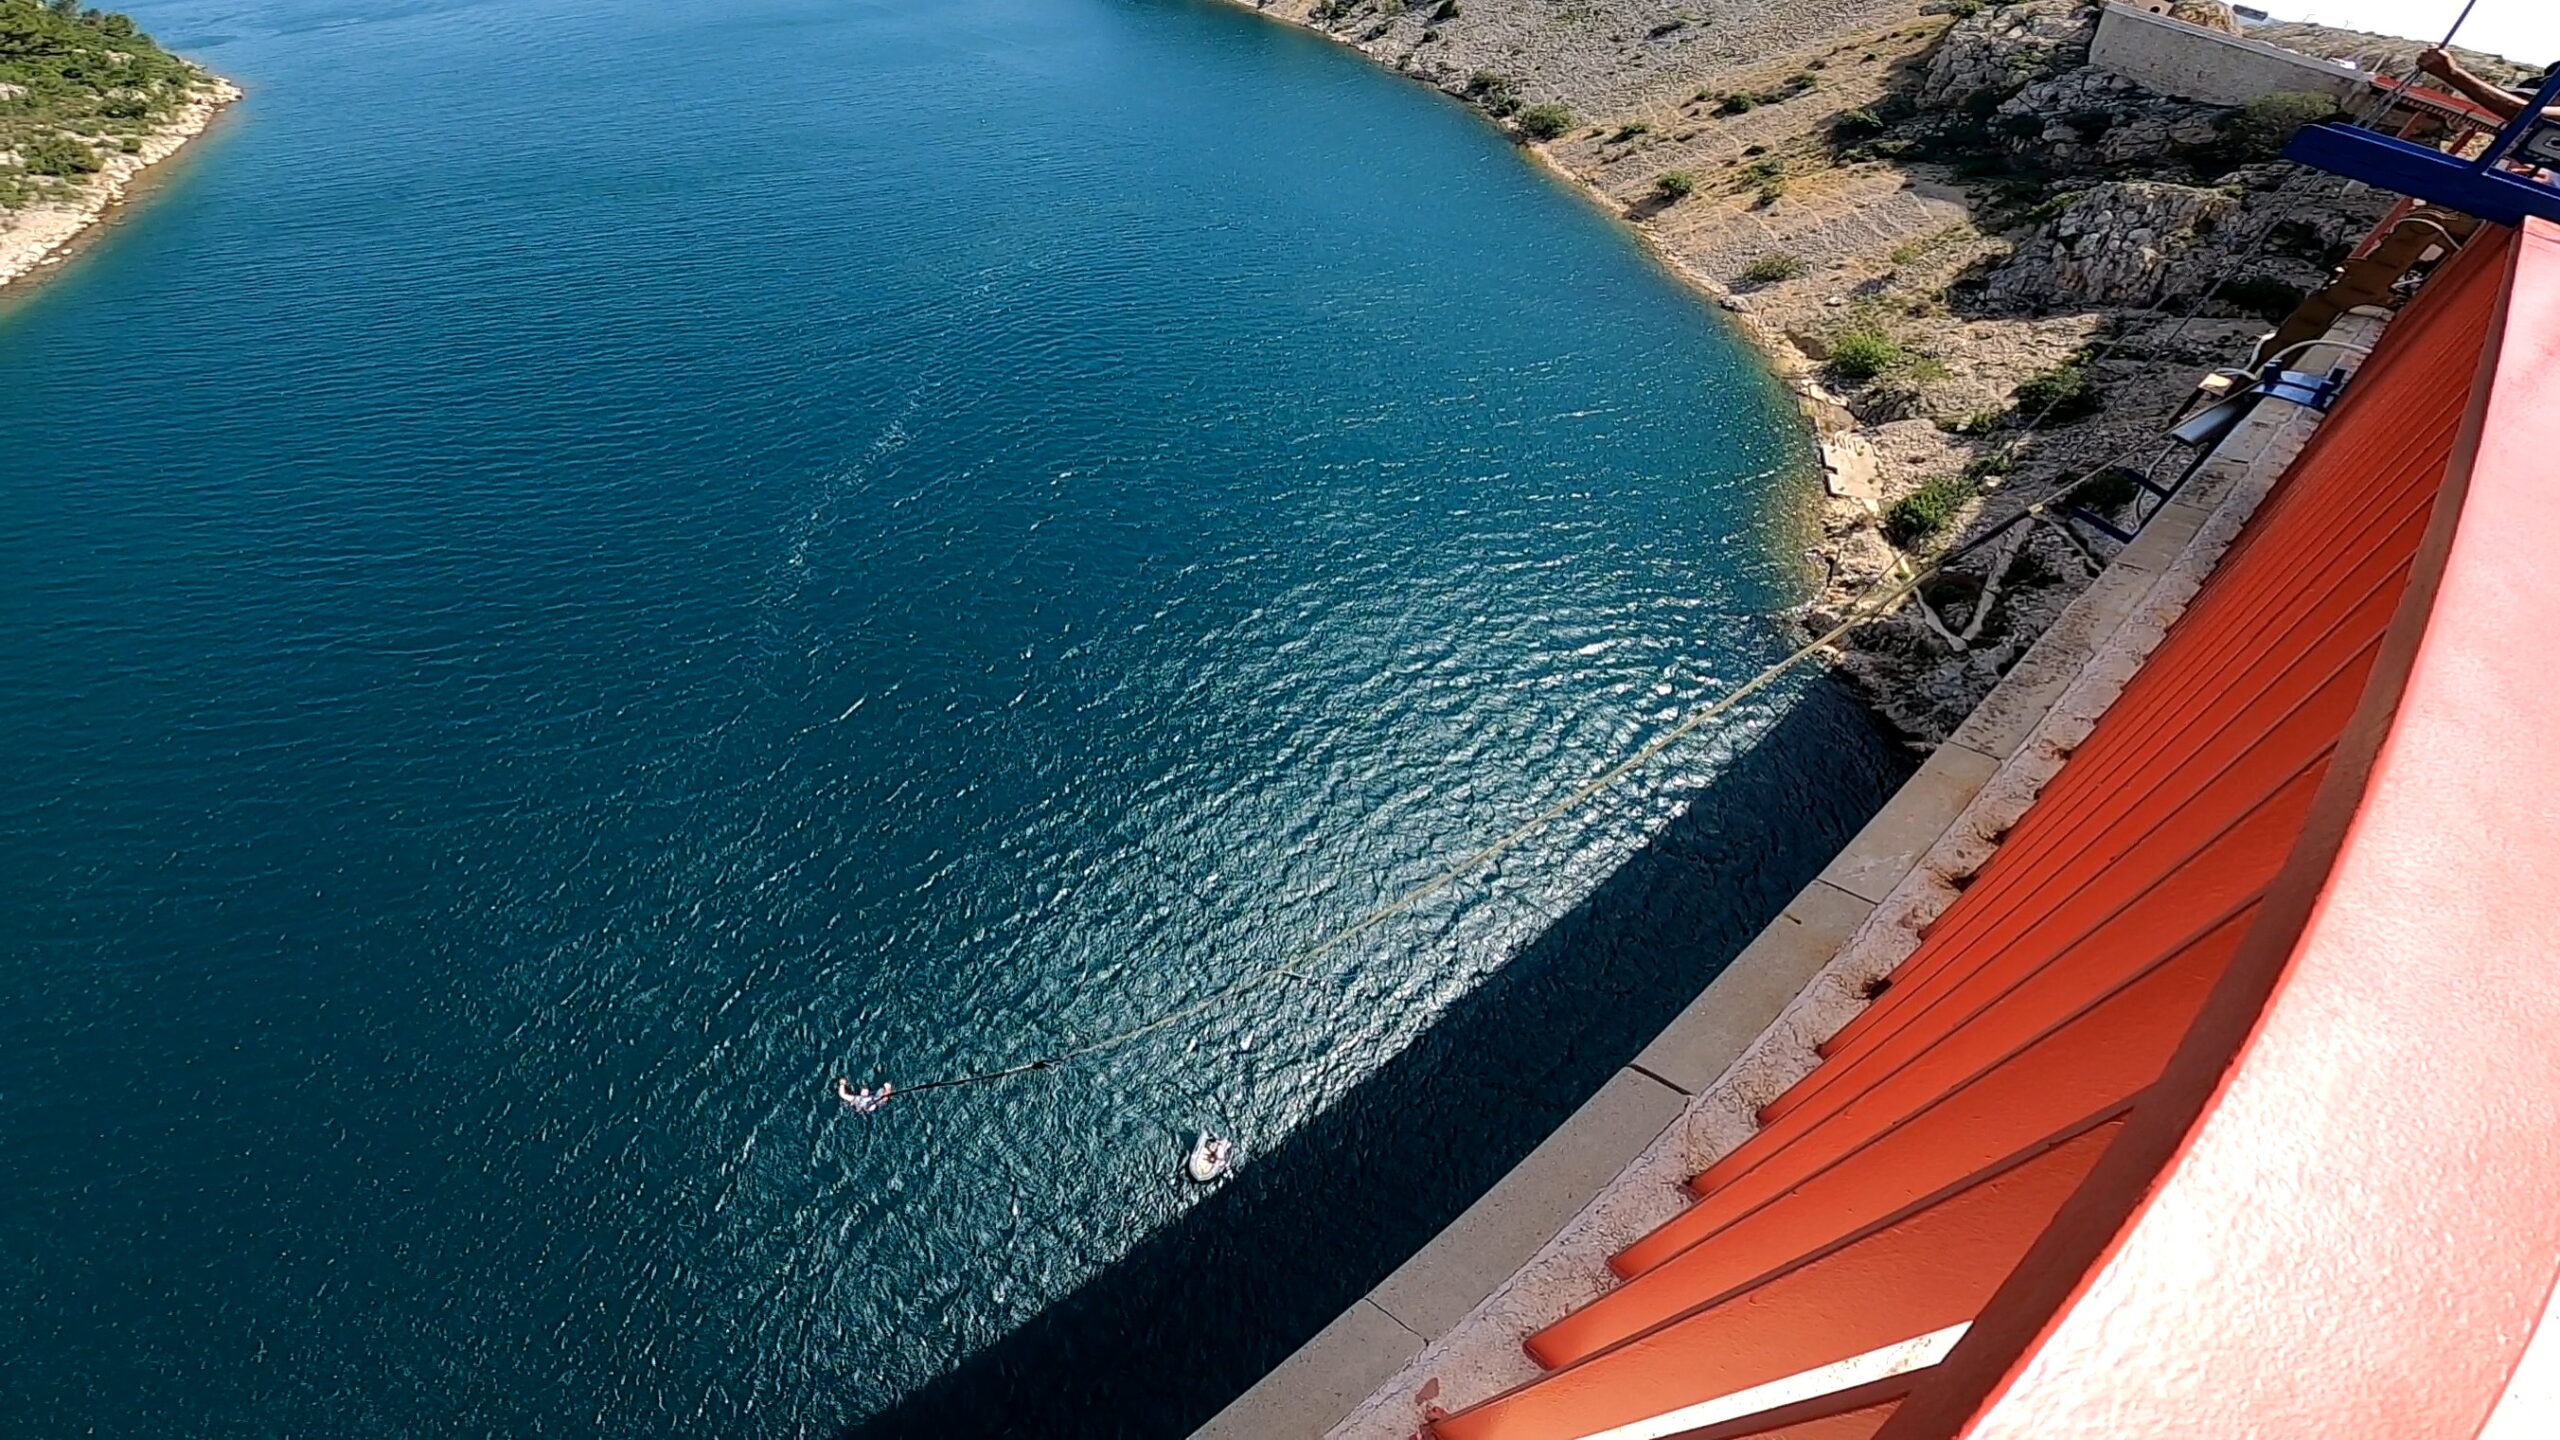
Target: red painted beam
x,y
1930,1270
2334,1216
2095,1061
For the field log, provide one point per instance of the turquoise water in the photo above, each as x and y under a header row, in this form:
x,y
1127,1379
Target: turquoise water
x,y
583,569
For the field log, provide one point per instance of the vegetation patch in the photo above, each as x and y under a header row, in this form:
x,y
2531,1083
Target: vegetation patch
x,y
76,85
1856,125
1927,511
1740,102
1494,92
2059,396
1864,354
1774,267
1545,121
2001,461
1676,186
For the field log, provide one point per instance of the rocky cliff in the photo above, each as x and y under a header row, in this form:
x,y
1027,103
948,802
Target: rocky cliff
x,y
1989,268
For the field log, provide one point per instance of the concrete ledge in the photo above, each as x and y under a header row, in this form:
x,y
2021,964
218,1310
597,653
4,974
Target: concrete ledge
x,y
1362,1349
1751,993
2002,723
2171,57
1882,853
1484,1247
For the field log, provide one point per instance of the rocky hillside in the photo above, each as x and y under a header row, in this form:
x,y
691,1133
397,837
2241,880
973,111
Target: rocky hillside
x,y
2386,54
1970,250
1594,57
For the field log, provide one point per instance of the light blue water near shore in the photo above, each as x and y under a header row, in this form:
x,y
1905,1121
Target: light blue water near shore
x,y
584,568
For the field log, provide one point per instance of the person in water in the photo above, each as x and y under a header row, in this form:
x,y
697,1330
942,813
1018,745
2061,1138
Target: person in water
x,y
864,1100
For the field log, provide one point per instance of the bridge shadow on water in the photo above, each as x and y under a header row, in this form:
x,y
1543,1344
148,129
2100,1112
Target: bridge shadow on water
x,y
1199,1310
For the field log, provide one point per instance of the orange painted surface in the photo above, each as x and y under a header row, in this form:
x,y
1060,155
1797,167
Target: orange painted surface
x,y
1930,1270
2011,992
2097,1060
2039,892
2198,770
1895,1189
1848,1201
2375,1173
1849,1425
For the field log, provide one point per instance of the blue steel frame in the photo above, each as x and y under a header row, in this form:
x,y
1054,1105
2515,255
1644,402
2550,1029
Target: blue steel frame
x,y
2474,187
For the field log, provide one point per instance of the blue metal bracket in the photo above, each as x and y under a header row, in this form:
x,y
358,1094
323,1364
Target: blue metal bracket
x,y
2314,392
2481,187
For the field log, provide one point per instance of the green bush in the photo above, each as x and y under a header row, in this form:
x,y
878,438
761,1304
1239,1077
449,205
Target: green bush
x,y
2267,124
1864,354
1773,267
1857,125
57,154
1676,186
1545,121
1926,511
1493,92
1629,131
2059,396
1737,104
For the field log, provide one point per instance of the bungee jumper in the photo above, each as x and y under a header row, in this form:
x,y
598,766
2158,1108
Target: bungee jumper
x,y
865,1100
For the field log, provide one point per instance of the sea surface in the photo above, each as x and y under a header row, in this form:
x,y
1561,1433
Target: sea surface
x,y
582,569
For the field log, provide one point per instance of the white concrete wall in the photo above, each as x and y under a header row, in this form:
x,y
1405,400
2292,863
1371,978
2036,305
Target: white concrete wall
x,y
2190,62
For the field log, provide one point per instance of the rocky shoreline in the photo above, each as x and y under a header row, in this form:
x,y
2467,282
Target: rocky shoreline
x,y
1963,247
39,236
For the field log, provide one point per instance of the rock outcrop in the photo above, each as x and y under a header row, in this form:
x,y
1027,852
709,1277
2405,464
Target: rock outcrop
x,y
2119,244
1997,51
2093,118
